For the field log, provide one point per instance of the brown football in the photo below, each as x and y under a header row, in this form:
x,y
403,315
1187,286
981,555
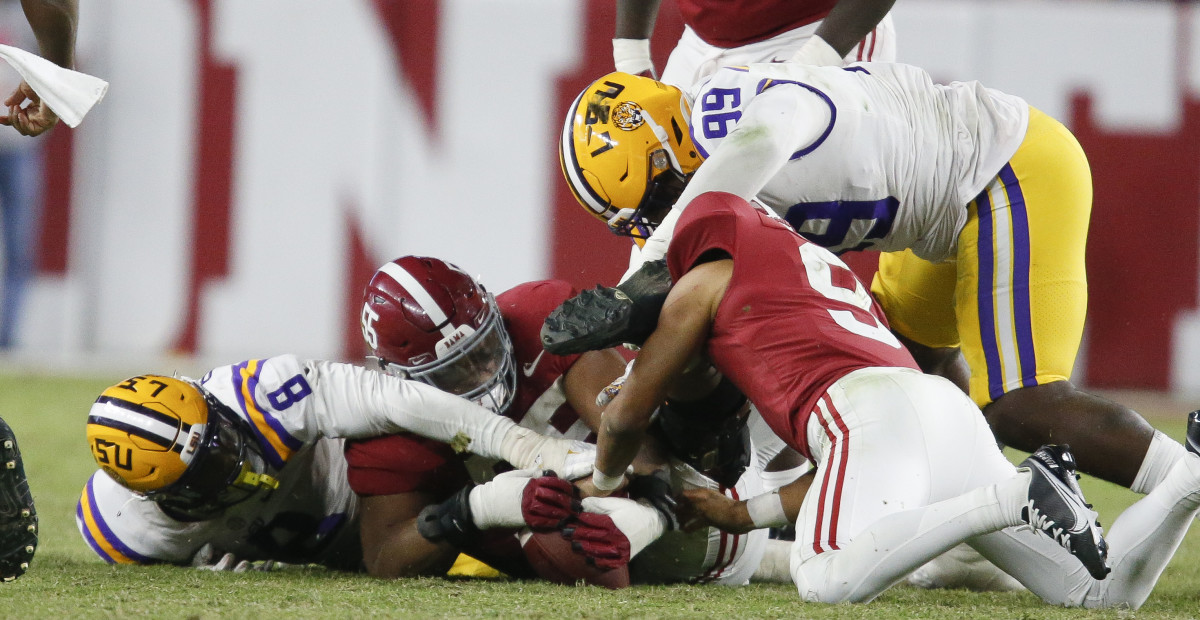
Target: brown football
x,y
551,557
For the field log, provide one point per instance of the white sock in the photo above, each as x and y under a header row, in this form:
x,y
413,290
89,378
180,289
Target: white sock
x,y
1013,494
1160,457
1145,537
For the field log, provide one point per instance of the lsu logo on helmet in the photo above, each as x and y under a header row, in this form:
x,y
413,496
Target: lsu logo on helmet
x,y
144,431
626,151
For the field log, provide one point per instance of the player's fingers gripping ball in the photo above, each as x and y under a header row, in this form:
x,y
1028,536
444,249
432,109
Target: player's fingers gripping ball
x,y
548,502
598,538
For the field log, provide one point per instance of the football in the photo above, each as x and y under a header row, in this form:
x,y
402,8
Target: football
x,y
551,557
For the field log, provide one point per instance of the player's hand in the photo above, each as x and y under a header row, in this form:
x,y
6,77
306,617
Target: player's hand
x,y
633,56
524,497
571,459
699,508
206,559
27,113
613,530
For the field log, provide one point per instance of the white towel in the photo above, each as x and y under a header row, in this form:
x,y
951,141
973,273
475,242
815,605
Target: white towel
x,y
69,93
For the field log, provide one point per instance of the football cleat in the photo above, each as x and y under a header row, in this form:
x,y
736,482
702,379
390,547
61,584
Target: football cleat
x,y
18,519
1056,508
1193,433
606,317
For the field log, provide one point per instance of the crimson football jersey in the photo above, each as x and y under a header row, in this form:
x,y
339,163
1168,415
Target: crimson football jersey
x,y
733,23
794,318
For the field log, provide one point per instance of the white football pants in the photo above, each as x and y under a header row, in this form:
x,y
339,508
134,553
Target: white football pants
x,y
905,465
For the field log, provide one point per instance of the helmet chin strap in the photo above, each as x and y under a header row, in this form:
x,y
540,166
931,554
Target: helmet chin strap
x,y
253,480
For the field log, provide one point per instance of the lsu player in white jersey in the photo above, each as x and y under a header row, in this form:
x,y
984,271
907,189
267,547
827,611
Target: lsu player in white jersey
x,y
980,202
407,307
247,459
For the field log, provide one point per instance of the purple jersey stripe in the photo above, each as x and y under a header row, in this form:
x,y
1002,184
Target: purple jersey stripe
x,y
1022,315
832,115
107,532
87,534
987,317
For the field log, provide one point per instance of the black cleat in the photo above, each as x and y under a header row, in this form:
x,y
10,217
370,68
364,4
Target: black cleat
x,y
605,317
1193,433
18,519
1056,508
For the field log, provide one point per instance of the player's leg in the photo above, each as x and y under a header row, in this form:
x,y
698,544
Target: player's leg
x,y
1141,542
1021,302
918,298
895,451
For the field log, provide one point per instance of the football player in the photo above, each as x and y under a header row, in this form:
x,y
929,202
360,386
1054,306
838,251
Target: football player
x,y
982,201
245,460
425,319
906,466
722,33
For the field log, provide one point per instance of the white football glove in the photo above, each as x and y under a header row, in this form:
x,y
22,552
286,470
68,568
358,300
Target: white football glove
x,y
633,56
523,498
816,51
568,458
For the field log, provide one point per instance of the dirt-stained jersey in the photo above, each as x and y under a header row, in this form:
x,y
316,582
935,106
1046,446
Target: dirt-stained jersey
x,y
731,23
888,160
794,318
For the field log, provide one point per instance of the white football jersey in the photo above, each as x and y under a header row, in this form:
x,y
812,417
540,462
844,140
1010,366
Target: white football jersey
x,y
888,160
292,406
311,518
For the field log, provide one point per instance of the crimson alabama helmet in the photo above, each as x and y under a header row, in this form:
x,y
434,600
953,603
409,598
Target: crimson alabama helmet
x,y
425,319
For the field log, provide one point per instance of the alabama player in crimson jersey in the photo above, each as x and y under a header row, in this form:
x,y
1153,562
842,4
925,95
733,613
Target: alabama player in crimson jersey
x,y
720,33
425,319
906,466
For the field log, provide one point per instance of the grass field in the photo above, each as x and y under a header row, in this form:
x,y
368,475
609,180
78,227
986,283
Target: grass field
x,y
66,580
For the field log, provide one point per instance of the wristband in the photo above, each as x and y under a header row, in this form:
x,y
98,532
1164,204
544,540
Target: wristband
x,y
632,56
766,510
604,482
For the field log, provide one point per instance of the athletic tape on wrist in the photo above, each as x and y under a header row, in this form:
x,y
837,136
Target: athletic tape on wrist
x,y
604,482
766,510
632,55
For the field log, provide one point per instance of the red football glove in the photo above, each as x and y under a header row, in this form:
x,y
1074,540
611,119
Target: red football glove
x,y
613,530
548,502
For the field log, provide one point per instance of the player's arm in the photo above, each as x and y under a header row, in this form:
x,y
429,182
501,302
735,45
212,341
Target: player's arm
x,y
682,330
352,402
847,23
54,22
392,545
631,38
708,508
587,377
775,125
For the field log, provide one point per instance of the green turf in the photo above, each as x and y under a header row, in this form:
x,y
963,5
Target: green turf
x,y
67,580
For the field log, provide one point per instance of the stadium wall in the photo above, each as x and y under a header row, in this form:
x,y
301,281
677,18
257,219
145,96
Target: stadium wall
x,y
253,163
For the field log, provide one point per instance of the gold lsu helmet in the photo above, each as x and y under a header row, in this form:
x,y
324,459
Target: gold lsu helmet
x,y
627,152
173,442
